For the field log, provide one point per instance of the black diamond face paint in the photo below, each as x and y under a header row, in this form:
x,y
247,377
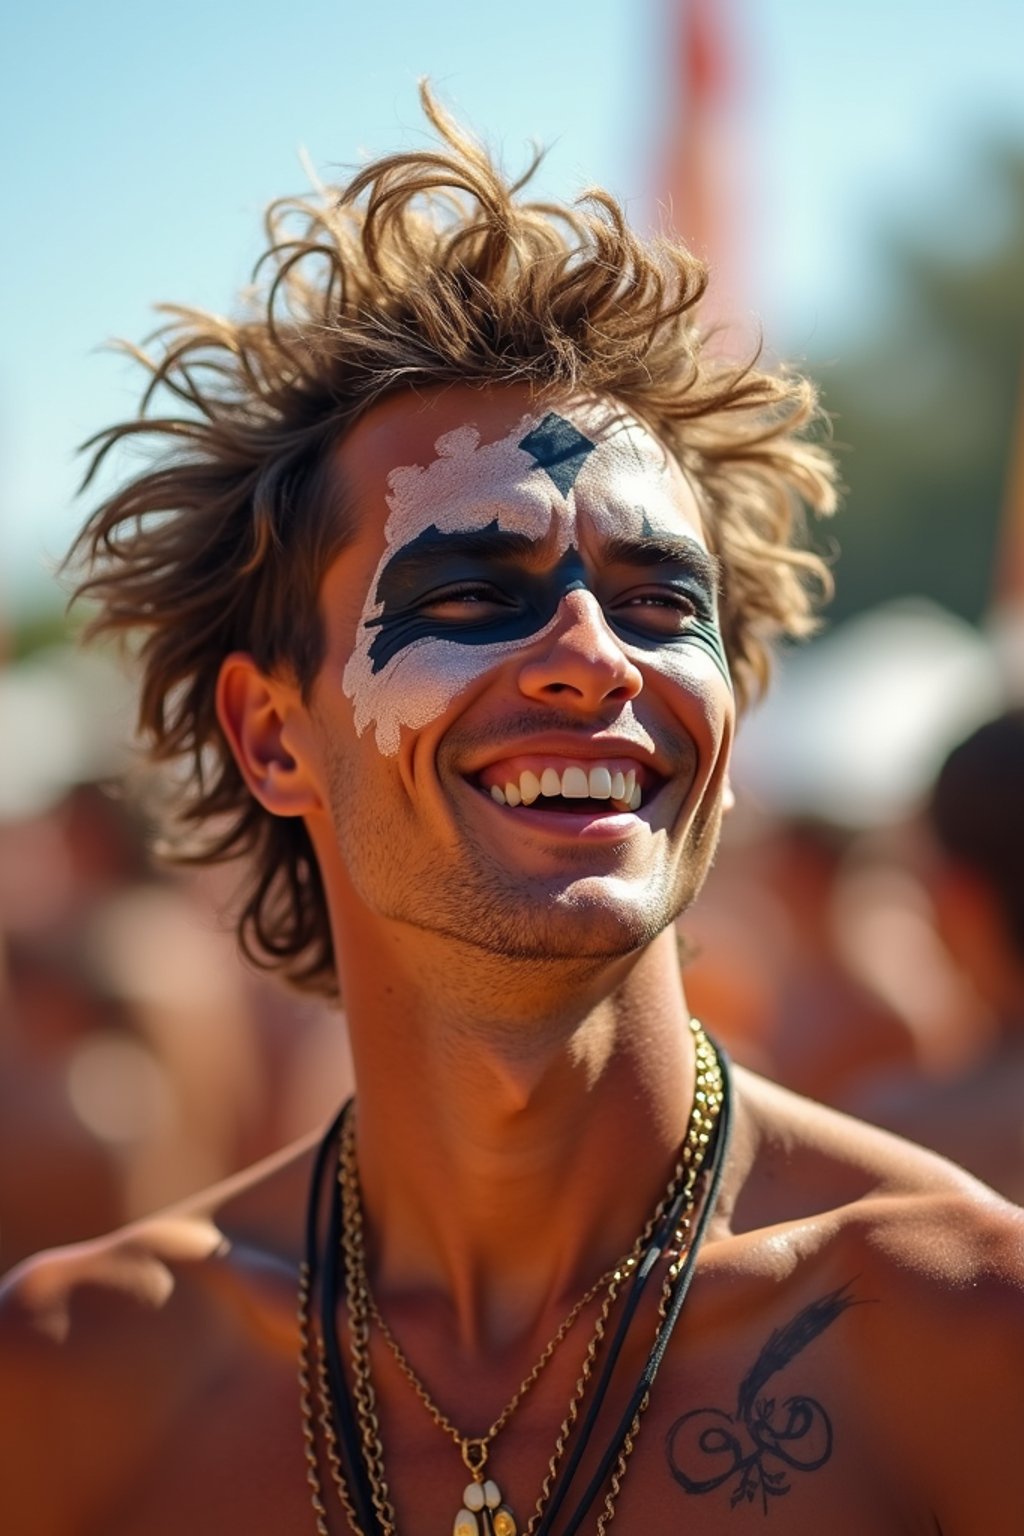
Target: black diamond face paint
x,y
483,544
557,447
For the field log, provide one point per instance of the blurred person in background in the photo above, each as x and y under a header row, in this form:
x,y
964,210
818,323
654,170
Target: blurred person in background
x,y
814,909
59,1180
463,559
767,967
65,850
138,1060
974,872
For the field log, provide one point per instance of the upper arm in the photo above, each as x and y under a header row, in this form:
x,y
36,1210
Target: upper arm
x,y
50,1483
29,1494
978,1444
90,1378
946,1378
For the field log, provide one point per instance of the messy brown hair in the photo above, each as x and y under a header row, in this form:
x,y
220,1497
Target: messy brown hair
x,y
428,268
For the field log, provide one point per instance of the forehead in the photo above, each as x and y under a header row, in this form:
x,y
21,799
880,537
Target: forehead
x,y
465,458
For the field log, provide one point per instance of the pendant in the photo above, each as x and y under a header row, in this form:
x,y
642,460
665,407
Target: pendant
x,y
483,1513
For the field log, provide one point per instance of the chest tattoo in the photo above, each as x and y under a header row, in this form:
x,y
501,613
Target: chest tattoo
x,y
753,1451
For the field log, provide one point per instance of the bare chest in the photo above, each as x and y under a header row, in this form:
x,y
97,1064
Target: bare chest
x,y
796,1459
700,1473
735,1440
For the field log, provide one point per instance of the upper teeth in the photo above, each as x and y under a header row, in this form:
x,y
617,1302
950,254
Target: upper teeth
x,y
574,782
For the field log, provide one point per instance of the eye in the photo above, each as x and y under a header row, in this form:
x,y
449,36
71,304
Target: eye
x,y
470,603
656,610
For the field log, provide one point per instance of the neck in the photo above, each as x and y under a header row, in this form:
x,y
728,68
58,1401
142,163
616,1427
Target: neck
x,y
513,1133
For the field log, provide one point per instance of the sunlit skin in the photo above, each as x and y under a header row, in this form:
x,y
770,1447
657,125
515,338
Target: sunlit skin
x,y
498,527
611,675
444,900
525,1072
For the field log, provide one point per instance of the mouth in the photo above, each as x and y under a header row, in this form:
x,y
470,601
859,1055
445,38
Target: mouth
x,y
548,784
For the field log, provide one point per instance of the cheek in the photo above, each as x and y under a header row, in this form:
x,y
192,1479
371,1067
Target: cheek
x,y
697,691
417,686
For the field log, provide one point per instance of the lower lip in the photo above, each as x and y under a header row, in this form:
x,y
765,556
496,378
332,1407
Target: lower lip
x,y
575,826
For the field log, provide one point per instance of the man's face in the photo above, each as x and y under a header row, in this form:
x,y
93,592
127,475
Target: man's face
x,y
524,709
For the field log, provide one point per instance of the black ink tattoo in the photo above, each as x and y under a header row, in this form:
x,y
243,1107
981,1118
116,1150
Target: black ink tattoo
x,y
764,1440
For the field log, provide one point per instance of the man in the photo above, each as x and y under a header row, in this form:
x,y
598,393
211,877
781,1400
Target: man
x,y
464,558
974,870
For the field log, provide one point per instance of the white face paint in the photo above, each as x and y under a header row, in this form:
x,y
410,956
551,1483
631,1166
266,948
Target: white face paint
x,y
622,485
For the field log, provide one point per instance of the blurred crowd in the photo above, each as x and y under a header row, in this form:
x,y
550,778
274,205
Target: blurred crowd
x,y
861,938
140,1059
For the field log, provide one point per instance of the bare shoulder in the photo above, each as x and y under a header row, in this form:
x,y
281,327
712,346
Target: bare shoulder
x,y
107,1344
865,1187
931,1263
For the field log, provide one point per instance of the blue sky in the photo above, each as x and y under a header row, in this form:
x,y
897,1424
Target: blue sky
x,y
141,143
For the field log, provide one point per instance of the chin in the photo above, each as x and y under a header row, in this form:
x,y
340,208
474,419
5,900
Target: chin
x,y
588,919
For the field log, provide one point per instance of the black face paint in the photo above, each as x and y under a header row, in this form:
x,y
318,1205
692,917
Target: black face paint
x,y
647,528
520,599
559,449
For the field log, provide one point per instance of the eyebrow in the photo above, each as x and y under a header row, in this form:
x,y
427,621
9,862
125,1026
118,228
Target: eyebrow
x,y
432,546
428,549
666,549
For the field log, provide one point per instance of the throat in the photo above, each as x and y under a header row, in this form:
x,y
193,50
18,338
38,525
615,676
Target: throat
x,y
669,1226
495,1225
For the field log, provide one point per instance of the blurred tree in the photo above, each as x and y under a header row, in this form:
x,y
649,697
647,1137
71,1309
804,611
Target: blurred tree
x,y
925,413
41,627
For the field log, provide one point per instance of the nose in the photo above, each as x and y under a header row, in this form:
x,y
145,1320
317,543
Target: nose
x,y
579,661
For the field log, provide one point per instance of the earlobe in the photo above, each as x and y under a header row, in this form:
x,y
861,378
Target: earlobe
x,y
259,717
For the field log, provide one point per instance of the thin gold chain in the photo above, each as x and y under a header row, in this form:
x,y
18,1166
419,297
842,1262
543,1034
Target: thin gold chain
x,y
362,1310
572,1413
615,1277
611,1281
615,1481
707,1105
324,1415
359,1331
439,1417
348,1173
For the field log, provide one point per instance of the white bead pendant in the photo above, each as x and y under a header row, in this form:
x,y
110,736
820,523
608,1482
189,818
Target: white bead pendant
x,y
483,1513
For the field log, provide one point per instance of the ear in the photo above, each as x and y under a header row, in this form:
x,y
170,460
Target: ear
x,y
267,728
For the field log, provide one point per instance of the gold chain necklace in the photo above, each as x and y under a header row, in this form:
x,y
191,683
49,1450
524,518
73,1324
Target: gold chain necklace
x,y
483,1492
483,1509
482,1500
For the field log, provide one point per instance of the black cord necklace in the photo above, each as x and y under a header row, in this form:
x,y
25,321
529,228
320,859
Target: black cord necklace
x,y
349,1446
341,1400
714,1169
